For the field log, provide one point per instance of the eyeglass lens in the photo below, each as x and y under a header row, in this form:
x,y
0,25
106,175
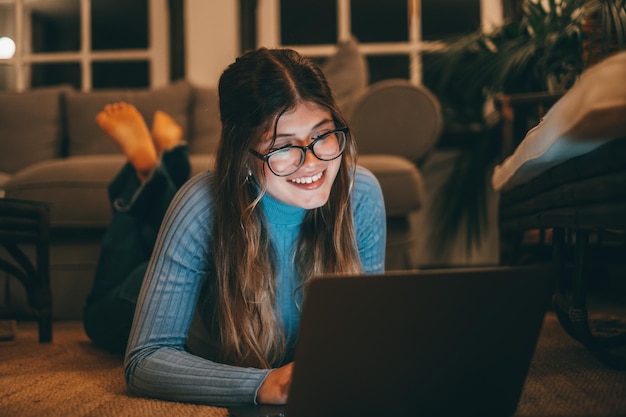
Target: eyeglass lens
x,y
289,160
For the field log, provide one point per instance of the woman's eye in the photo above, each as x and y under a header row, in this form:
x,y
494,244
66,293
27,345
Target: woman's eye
x,y
322,135
280,147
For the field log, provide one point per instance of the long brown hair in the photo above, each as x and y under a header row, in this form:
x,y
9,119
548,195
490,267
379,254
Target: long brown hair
x,y
254,91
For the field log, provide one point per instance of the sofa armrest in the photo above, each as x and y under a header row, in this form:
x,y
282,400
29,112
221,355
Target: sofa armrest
x,y
396,117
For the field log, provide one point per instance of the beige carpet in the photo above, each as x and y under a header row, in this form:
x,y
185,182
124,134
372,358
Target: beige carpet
x,y
71,378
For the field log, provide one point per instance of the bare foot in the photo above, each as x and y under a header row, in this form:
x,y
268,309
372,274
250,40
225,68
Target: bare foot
x,y
124,123
165,132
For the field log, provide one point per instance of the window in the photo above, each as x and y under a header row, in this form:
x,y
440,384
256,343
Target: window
x,y
392,34
89,44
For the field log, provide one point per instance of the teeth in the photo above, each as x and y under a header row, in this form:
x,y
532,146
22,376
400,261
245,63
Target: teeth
x,y
307,180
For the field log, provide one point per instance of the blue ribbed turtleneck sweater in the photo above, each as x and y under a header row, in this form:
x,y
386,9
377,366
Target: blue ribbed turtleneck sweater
x,y
165,357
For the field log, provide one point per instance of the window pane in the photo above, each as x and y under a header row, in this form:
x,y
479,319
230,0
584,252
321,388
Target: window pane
x,y
133,74
51,26
7,78
380,20
442,18
119,24
308,22
388,66
55,74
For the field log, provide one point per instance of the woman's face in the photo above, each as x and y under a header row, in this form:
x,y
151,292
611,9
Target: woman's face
x,y
309,187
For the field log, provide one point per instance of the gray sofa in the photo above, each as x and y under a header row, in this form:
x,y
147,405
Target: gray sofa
x,y
52,150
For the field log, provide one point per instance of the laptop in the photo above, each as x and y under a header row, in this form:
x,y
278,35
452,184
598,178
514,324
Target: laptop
x,y
416,343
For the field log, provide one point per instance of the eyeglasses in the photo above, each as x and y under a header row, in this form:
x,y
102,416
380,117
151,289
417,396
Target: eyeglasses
x,y
288,159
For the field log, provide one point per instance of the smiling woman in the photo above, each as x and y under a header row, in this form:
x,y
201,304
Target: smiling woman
x,y
204,278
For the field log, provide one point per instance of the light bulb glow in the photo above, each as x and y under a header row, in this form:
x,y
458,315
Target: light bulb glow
x,y
7,47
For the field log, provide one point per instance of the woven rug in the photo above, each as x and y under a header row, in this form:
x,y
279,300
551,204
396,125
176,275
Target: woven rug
x,y
72,378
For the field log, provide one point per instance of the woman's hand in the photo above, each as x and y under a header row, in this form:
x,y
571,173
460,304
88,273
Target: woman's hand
x,y
275,388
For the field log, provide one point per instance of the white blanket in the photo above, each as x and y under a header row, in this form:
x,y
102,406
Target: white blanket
x,y
590,114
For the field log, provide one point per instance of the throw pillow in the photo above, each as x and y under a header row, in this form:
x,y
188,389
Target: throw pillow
x,y
347,73
85,136
30,127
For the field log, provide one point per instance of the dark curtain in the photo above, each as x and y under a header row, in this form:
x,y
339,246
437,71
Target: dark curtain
x,y
177,39
247,24
511,8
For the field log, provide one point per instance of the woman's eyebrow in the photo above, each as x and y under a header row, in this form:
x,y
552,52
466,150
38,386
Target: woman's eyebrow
x,y
289,135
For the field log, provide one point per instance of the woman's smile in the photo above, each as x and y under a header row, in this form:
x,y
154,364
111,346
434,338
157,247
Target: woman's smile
x,y
308,180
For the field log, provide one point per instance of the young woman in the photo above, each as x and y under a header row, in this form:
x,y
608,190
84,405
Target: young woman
x,y
217,317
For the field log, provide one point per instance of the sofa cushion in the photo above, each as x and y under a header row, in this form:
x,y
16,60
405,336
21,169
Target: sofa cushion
x,y
400,180
30,127
85,136
77,187
205,125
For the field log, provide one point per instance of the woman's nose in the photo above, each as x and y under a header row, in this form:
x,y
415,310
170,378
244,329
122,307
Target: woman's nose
x,y
310,158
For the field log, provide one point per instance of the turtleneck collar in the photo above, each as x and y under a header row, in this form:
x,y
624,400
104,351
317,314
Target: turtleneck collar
x,y
281,213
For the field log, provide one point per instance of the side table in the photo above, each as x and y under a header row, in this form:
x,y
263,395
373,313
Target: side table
x,y
27,223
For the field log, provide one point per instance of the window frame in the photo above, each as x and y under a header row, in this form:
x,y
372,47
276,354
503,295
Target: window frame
x,y
268,33
156,54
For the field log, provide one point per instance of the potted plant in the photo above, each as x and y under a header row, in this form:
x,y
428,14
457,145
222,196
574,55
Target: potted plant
x,y
544,47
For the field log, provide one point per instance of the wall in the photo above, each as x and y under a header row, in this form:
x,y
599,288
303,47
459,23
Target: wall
x,y
212,39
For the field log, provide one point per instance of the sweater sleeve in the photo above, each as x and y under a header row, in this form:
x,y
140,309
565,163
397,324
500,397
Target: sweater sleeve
x,y
156,363
370,221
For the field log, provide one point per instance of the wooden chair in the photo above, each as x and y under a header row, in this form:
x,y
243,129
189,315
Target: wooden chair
x,y
27,223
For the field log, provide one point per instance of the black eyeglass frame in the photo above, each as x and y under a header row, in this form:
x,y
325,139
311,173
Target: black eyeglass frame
x,y
309,147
